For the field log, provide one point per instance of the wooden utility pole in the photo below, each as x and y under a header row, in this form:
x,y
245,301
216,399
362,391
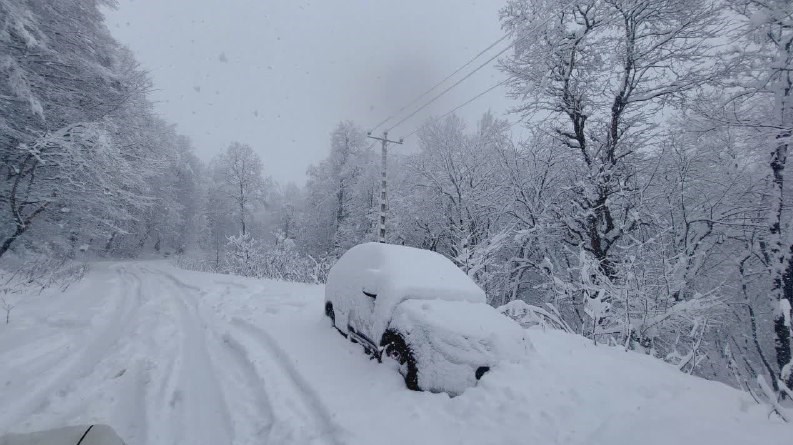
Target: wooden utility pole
x,y
383,170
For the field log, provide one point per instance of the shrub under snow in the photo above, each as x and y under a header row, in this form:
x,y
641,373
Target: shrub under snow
x,y
250,257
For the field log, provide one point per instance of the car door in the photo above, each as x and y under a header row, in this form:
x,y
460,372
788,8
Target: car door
x,y
363,305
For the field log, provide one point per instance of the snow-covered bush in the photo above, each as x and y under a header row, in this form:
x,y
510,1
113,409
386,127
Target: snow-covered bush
x,y
528,315
198,263
250,257
319,268
284,262
245,256
33,273
635,308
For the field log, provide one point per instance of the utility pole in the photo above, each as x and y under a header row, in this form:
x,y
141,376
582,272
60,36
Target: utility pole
x,y
383,169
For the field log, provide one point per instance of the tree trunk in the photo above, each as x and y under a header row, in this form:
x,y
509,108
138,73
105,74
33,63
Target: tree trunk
x,y
753,325
780,265
22,225
22,222
10,240
242,207
783,329
217,252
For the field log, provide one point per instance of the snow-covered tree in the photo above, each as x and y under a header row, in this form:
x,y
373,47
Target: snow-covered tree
x,y
601,71
758,99
457,175
62,78
238,175
340,194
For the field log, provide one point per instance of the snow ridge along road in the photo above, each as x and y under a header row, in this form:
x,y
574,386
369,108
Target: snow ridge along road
x,y
174,357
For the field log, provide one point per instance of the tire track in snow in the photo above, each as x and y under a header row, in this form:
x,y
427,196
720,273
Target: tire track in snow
x,y
83,363
129,416
194,402
251,420
289,386
253,410
236,382
308,419
163,383
114,391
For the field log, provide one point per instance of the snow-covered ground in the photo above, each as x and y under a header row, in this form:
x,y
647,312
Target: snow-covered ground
x,y
168,356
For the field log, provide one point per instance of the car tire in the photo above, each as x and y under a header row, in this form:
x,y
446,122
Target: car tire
x,y
395,347
330,313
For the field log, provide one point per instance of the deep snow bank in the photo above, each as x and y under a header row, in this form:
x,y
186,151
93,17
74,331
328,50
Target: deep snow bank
x,y
174,357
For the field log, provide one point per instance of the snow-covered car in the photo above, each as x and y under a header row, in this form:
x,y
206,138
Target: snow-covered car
x,y
416,307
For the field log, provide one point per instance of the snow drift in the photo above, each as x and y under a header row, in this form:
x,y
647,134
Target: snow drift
x,y
167,356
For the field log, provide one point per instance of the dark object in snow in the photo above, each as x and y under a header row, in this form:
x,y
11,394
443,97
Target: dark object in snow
x,y
70,435
395,348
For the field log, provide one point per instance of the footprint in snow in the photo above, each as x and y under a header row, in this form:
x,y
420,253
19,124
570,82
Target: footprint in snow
x,y
175,398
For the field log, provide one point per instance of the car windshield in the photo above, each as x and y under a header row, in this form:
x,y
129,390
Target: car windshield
x,y
359,222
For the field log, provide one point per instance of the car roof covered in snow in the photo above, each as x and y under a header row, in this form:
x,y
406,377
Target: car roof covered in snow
x,y
415,273
395,274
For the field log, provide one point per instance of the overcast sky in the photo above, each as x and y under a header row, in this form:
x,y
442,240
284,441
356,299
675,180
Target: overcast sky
x,y
280,74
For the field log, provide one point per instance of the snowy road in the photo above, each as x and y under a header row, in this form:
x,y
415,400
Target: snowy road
x,y
174,357
161,366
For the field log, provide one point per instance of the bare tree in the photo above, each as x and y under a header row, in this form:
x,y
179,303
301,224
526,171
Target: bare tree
x,y
238,172
602,69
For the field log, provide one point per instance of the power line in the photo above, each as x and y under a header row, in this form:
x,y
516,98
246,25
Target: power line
x,y
434,87
438,96
462,104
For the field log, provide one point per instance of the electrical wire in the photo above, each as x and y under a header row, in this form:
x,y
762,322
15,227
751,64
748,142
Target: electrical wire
x,y
434,87
493,87
486,63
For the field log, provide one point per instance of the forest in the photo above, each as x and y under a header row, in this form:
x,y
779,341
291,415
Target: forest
x,y
647,208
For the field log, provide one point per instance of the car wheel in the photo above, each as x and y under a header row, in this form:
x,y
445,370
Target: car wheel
x,y
395,348
330,314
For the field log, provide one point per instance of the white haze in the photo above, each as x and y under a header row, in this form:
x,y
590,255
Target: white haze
x,y
279,75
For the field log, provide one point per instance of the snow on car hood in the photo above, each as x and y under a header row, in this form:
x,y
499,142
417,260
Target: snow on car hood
x,y
451,339
473,332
